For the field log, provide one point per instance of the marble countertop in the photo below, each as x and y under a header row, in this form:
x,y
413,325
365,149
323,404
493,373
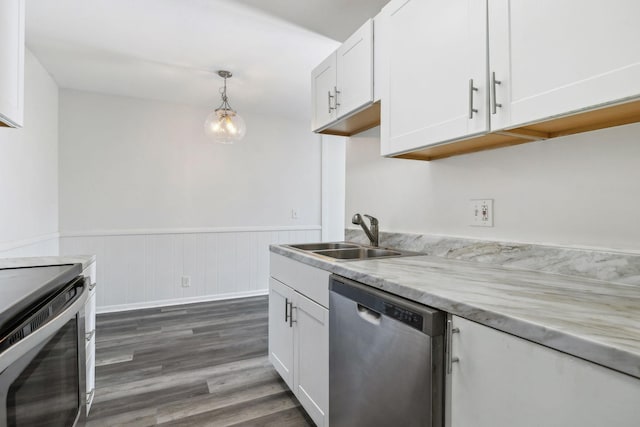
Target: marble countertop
x,y
595,320
85,260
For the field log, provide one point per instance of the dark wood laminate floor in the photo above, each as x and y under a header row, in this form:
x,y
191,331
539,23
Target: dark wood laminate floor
x,y
200,364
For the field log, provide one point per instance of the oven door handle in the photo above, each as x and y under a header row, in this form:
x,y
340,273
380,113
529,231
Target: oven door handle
x,y
24,346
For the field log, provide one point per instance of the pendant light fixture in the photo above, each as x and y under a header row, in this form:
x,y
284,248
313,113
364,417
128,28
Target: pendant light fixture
x,y
224,125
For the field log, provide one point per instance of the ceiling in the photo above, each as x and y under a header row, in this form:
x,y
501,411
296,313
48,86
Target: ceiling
x,y
169,50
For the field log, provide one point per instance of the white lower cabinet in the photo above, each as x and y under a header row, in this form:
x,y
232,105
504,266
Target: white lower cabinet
x,y
90,334
280,332
311,358
501,380
299,333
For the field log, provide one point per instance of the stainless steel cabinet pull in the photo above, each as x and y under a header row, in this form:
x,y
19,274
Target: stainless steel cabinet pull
x,y
89,335
286,310
471,90
90,396
494,103
291,321
448,348
329,96
336,103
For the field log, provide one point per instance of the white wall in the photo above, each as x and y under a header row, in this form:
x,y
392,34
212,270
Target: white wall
x,y
141,164
581,190
29,171
141,187
333,191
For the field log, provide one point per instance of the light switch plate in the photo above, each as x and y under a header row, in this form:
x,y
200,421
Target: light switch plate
x,y
481,211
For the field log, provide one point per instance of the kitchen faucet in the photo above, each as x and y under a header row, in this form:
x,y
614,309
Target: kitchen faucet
x,y
371,234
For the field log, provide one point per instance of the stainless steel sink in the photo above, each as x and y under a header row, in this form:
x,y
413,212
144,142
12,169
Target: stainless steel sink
x,y
323,246
359,253
349,251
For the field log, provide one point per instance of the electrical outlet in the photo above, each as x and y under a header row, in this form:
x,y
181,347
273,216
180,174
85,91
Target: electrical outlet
x,y
481,211
294,213
186,281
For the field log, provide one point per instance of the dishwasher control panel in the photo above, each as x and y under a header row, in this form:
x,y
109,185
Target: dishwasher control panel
x,y
403,315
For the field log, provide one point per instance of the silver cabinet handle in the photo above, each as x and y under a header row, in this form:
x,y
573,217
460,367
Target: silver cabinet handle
x,y
448,348
472,89
286,310
89,335
494,102
329,96
336,103
90,396
291,321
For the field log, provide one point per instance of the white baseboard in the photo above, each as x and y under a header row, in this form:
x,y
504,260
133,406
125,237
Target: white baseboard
x,y
179,301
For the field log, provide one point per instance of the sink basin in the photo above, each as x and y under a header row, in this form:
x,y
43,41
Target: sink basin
x,y
358,253
345,251
323,246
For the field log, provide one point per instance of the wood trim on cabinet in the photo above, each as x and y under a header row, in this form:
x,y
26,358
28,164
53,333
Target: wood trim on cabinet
x,y
362,120
583,121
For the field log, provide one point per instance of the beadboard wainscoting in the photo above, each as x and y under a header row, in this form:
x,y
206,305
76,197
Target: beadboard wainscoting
x,y
145,268
45,245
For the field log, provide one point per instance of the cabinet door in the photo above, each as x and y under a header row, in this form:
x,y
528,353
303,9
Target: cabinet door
x,y
555,57
437,88
355,70
323,87
311,375
281,330
505,381
11,62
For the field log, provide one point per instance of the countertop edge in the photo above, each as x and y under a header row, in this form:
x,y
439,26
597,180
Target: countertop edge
x,y
85,260
573,344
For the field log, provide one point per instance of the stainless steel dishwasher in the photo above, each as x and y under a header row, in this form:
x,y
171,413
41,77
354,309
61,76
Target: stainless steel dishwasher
x,y
386,359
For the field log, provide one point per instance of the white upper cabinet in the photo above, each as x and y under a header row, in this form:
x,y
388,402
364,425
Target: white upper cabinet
x,y
12,16
343,84
437,88
355,70
323,87
557,57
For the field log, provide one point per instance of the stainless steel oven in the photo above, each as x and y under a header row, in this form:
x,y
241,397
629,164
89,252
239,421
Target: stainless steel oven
x,y
42,352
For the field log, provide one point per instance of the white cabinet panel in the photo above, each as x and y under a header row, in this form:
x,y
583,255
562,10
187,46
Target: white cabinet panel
x,y
437,73
553,58
355,70
505,381
311,375
280,330
89,274
309,281
91,373
323,87
12,18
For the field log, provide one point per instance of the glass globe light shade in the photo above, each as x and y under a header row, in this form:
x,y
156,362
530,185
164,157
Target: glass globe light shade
x,y
225,126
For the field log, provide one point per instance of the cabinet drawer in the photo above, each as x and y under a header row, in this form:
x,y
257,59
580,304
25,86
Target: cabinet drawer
x,y
309,281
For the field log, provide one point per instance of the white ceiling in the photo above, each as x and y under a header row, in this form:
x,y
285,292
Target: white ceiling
x,y
170,49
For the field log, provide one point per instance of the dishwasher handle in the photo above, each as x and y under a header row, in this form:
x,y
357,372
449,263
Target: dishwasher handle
x,y
368,315
379,303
